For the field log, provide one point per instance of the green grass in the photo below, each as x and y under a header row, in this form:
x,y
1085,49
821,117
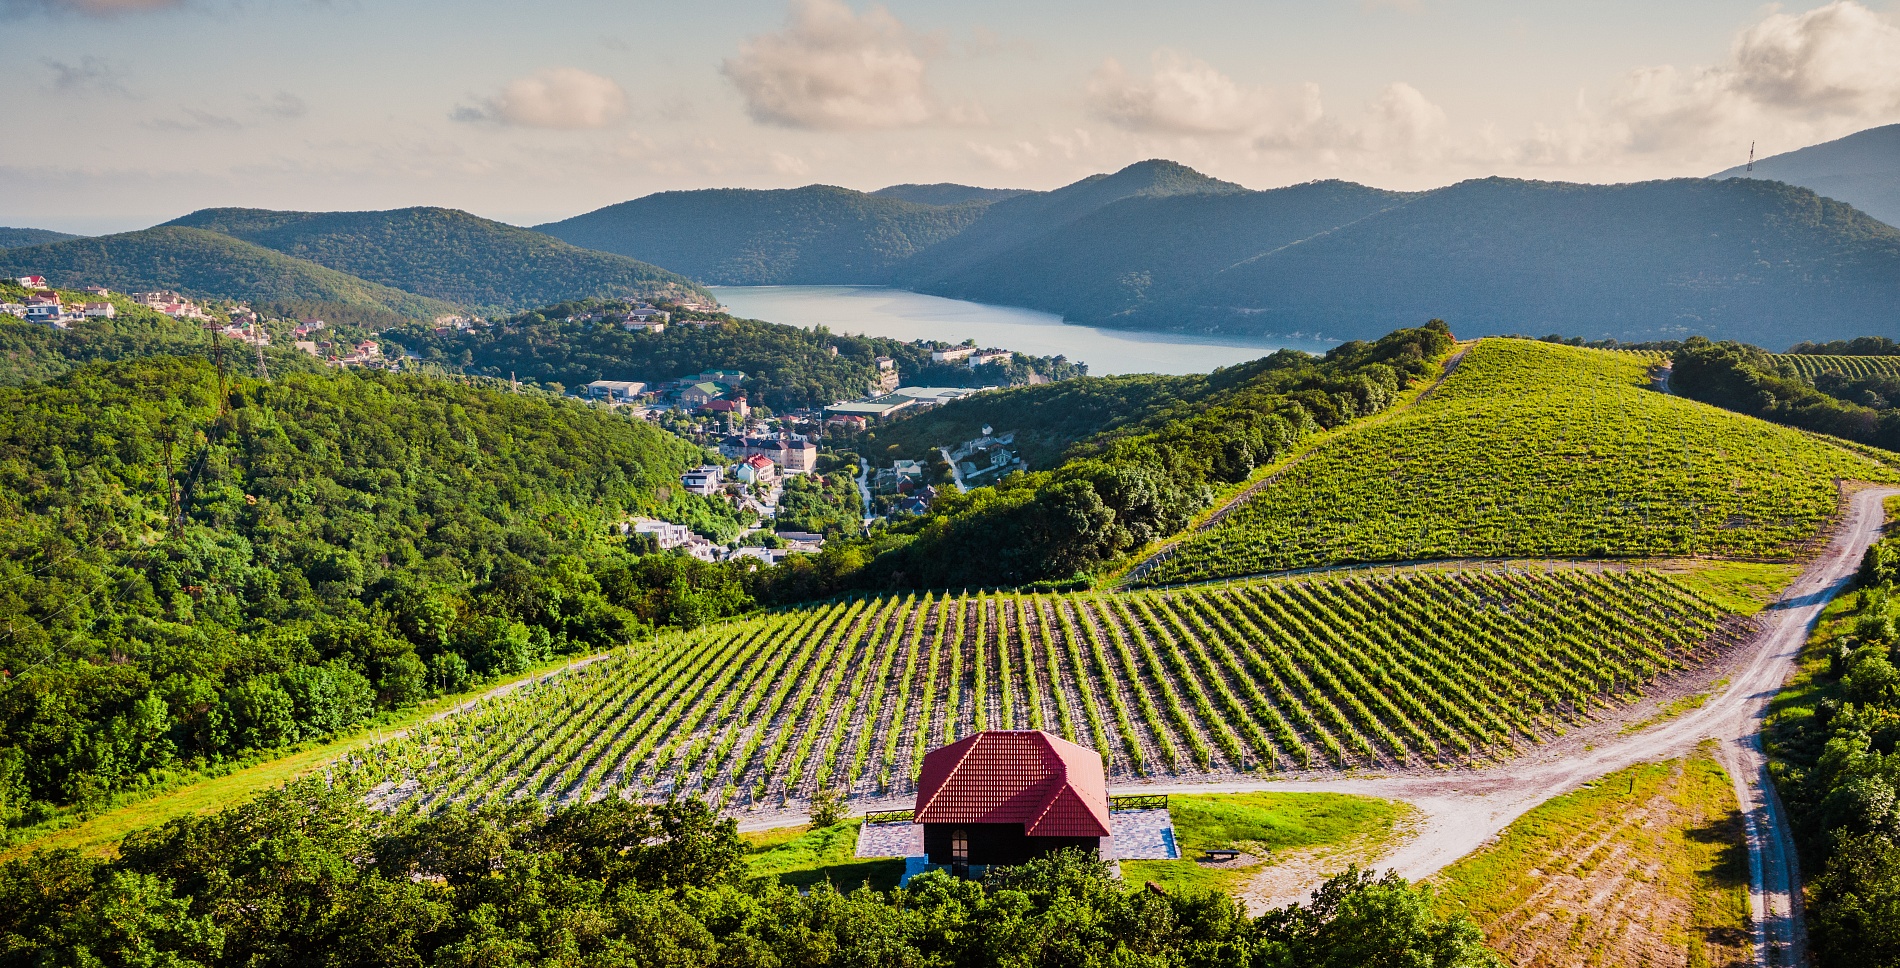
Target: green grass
x,y
1742,587
1266,825
1536,450
804,856
1653,854
1676,707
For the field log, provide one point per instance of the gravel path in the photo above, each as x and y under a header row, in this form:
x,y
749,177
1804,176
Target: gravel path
x,y
1464,811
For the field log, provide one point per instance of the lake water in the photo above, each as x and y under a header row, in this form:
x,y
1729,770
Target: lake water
x,y
898,314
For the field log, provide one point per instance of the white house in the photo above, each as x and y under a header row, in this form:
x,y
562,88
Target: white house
x,y
952,355
665,533
32,282
614,391
100,310
703,480
986,357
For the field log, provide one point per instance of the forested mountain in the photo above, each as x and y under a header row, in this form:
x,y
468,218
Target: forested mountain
x,y
11,238
1743,259
814,235
200,263
945,193
447,254
1862,169
188,576
1135,257
786,367
1159,246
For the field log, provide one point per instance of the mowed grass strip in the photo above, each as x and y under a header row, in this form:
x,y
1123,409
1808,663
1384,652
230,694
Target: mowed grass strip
x,y
1265,828
805,856
1647,866
1536,450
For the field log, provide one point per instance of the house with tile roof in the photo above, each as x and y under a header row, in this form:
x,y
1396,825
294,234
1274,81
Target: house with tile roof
x,y
1009,796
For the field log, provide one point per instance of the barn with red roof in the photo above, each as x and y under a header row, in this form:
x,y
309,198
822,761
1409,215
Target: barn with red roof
x,y
1007,796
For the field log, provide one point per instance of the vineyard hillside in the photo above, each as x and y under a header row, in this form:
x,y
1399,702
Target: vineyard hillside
x,y
1403,670
1808,366
1533,450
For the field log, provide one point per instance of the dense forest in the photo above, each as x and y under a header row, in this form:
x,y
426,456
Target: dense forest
x,y
1121,489
1747,379
447,254
12,238
205,264
196,566
786,367
1834,735
309,876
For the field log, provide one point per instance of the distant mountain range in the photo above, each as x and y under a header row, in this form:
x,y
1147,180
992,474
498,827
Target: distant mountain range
x,y
1861,169
1159,246
445,254
415,263
202,263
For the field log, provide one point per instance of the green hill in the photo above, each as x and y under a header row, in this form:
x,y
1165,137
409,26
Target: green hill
x,y
1533,450
11,238
1757,261
189,577
206,264
1862,169
814,235
786,367
447,254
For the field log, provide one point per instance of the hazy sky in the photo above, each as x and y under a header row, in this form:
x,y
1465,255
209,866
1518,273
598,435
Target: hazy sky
x,y
122,113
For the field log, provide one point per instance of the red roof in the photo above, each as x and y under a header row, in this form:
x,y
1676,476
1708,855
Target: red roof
x,y
1051,786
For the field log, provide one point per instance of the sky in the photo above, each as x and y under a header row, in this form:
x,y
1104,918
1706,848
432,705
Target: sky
x,y
123,113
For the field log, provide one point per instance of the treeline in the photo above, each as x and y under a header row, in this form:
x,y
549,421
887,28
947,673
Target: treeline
x,y
787,368
1859,346
1119,490
310,876
1835,741
1746,379
195,567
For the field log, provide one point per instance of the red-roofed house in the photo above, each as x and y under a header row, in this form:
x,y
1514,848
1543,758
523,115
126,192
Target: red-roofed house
x,y
1007,796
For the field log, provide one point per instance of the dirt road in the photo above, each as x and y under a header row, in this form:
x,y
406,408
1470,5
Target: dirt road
x,y
1464,811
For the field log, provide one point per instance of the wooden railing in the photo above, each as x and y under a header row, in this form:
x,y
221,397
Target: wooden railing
x,y
1139,801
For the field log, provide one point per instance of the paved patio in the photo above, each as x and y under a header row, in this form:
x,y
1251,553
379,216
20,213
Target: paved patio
x,y
1134,835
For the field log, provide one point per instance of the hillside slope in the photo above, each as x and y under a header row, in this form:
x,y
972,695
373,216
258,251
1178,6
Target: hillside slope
x,y
1136,255
946,193
1739,259
271,565
1012,223
446,254
1534,450
815,235
12,238
200,263
1862,169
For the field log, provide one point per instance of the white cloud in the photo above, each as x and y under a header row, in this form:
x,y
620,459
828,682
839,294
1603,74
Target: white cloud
x,y
562,97
1790,79
1189,98
1181,95
833,69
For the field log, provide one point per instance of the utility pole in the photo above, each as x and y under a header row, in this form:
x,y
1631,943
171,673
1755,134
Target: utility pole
x,y
224,390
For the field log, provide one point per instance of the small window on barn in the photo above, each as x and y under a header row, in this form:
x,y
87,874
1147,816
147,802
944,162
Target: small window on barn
x,y
960,846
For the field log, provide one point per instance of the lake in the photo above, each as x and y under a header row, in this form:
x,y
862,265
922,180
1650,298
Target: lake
x,y
898,314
